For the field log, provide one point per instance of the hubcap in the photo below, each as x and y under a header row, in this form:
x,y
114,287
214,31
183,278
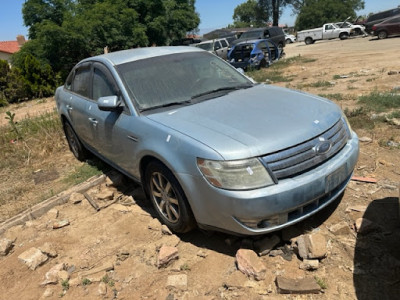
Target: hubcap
x,y
165,197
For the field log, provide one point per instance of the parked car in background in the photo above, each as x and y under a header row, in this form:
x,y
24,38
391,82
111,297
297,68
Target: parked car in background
x,y
387,28
290,38
209,146
327,32
218,46
357,29
379,17
254,54
273,33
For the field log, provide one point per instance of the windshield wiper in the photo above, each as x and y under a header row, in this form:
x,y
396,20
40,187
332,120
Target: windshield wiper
x,y
227,88
167,105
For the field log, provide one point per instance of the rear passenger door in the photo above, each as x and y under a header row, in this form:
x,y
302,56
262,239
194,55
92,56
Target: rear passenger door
x,y
78,84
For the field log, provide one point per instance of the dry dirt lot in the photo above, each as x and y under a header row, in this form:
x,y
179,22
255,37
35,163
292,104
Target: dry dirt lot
x,y
114,253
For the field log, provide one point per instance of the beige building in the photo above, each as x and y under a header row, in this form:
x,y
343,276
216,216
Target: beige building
x,y
8,48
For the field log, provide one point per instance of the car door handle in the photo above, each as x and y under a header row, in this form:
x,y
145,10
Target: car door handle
x,y
93,121
69,108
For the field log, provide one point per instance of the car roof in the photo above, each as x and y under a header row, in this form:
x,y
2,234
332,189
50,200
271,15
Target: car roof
x,y
124,56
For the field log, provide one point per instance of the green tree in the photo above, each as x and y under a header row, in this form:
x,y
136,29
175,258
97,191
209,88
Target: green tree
x,y
314,13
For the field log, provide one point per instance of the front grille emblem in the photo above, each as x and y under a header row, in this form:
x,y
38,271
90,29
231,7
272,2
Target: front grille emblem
x,y
323,147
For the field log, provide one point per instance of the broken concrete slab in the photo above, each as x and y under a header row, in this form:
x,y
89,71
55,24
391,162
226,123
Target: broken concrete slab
x,y
178,281
305,285
48,249
250,264
51,277
60,224
33,258
311,245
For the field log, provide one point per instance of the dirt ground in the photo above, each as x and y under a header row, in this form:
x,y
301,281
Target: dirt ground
x,y
112,253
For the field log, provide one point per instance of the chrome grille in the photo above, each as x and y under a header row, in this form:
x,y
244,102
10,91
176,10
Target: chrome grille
x,y
302,157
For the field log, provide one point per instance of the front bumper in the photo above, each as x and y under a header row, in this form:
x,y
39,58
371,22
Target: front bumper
x,y
274,207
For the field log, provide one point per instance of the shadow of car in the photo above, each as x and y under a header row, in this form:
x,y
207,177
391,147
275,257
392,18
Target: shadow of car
x,y
254,54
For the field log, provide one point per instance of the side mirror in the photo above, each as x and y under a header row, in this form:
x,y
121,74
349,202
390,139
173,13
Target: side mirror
x,y
108,103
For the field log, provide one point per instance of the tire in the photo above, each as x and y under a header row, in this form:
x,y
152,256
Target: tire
x,y
382,35
168,198
263,64
288,41
74,143
343,35
357,31
308,41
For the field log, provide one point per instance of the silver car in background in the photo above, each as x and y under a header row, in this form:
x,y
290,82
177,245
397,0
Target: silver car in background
x,y
210,147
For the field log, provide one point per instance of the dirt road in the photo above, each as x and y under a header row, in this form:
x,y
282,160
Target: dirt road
x,y
115,253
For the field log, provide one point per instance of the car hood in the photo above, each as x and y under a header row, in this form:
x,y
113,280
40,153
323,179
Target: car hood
x,y
254,121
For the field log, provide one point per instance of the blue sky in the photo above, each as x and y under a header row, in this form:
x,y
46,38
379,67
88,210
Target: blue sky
x,y
213,14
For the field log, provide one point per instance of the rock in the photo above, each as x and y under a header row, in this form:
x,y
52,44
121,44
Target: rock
x,y
120,207
102,289
202,253
392,72
76,198
123,255
365,139
52,214
5,246
297,286
63,275
105,195
48,249
249,263
274,253
363,225
165,230
154,224
60,224
74,282
48,293
177,281
341,228
33,258
312,246
51,277
166,255
316,245
265,245
309,264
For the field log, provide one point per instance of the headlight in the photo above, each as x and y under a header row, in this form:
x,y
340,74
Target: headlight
x,y
235,174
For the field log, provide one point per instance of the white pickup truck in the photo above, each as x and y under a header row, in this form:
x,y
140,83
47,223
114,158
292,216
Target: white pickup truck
x,y
326,32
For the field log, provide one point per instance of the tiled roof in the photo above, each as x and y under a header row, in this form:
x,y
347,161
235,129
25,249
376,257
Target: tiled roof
x,y
9,47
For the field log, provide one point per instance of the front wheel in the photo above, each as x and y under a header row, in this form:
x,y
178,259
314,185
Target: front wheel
x,y
168,198
382,35
343,35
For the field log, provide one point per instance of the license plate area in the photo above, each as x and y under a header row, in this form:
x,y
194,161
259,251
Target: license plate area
x,y
335,178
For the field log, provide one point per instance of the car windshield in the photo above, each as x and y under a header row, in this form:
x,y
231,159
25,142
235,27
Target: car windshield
x,y
178,78
251,35
205,46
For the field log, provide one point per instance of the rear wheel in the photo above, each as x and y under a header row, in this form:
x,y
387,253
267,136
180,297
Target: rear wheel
x,y
168,198
382,34
308,41
74,143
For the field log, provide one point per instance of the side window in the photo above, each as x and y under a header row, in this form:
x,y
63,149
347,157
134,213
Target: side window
x,y
81,82
101,85
224,43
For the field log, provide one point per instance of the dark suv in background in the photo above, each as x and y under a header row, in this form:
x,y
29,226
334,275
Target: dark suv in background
x,y
379,17
273,33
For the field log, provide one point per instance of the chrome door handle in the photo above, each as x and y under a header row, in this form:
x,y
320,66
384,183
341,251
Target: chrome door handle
x,y
93,121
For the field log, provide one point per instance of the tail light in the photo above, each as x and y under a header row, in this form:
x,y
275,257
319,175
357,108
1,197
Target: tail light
x,y
373,28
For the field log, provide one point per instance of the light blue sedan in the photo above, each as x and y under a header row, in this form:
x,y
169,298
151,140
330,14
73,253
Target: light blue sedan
x,y
211,148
